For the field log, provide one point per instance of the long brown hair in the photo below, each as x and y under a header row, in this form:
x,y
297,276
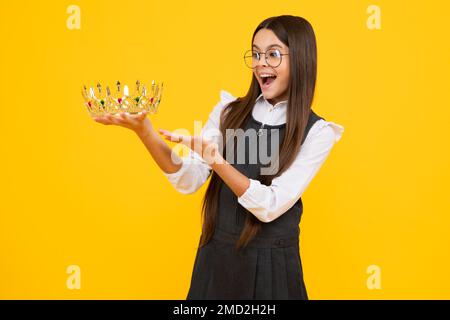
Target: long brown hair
x,y
297,34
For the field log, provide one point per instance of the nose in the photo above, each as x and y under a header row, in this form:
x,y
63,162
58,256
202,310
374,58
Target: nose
x,y
262,60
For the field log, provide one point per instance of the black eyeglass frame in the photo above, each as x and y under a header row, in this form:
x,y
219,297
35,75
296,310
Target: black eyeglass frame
x,y
265,57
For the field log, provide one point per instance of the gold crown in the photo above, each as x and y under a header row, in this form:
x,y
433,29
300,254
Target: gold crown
x,y
103,102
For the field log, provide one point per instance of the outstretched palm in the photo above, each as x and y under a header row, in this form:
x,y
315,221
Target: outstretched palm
x,y
136,122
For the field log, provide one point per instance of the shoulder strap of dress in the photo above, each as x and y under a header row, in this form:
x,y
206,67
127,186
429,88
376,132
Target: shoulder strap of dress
x,y
313,117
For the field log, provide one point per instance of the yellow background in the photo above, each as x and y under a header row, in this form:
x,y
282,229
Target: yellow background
x,y
75,192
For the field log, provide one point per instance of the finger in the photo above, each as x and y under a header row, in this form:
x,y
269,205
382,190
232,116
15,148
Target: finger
x,y
142,115
113,119
186,140
168,138
124,116
102,120
170,135
165,133
118,118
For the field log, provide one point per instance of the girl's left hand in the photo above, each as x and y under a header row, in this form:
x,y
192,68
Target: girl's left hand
x,y
205,147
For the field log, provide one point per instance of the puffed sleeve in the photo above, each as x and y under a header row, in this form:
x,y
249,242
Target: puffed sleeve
x,y
194,170
267,203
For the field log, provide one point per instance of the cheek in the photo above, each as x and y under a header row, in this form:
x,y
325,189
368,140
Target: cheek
x,y
284,73
285,76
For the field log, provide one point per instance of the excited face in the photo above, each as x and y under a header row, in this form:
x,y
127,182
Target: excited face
x,y
274,81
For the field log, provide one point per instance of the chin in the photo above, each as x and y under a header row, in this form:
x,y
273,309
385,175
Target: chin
x,y
269,94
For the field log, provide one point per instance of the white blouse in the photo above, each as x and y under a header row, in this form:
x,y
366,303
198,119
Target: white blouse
x,y
265,202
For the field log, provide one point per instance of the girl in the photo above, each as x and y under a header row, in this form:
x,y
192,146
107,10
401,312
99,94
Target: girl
x,y
249,247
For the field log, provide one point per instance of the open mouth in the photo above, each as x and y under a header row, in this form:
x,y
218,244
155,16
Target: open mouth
x,y
267,81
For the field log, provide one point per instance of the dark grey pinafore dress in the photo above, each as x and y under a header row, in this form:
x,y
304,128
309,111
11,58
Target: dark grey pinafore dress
x,y
270,266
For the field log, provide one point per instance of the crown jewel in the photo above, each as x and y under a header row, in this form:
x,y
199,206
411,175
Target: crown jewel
x,y
99,102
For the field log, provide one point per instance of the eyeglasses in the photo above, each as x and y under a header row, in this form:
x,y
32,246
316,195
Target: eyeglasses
x,y
273,57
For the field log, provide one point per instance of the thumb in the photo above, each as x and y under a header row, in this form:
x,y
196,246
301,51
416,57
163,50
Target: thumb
x,y
142,115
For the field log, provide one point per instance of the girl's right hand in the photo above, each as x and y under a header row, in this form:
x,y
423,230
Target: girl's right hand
x,y
136,122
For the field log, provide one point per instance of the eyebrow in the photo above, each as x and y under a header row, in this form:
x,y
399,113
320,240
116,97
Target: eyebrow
x,y
272,45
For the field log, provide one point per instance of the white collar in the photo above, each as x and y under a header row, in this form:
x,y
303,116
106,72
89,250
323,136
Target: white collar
x,y
263,100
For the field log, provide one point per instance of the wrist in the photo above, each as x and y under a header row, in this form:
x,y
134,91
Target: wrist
x,y
144,131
